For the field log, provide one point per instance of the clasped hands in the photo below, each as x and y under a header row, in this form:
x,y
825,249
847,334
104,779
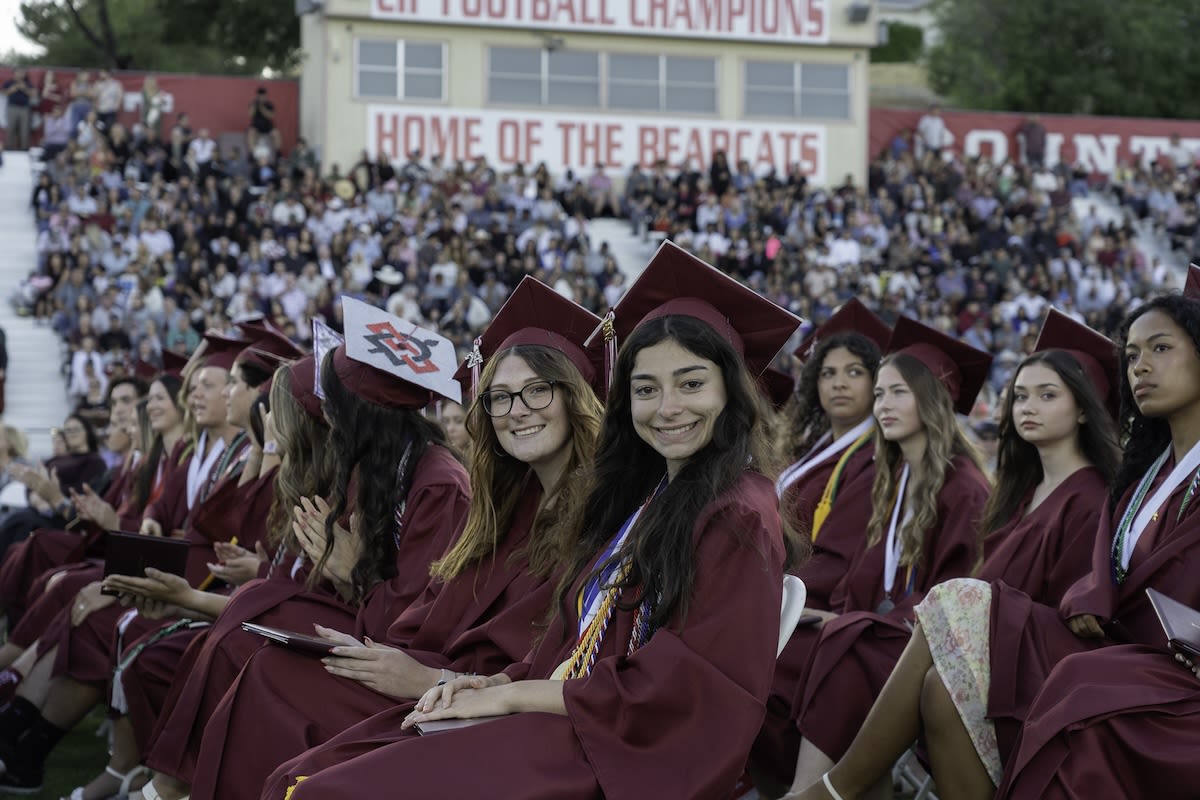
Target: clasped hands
x,y
308,524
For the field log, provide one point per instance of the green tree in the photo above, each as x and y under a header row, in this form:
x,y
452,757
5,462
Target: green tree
x,y
212,36
1120,57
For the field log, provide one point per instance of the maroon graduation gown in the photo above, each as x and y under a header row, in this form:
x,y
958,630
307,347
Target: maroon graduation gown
x,y
1041,555
433,518
85,652
1122,721
283,601
641,725
230,510
840,538
1163,559
482,621
854,654
22,572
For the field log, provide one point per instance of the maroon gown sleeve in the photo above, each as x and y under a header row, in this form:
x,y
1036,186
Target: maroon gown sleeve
x,y
648,722
842,534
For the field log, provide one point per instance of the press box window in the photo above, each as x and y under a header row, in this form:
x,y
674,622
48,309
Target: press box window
x,y
800,91
535,77
401,70
662,83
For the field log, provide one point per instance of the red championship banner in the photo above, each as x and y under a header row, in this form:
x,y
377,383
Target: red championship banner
x,y
581,141
219,103
799,22
1099,143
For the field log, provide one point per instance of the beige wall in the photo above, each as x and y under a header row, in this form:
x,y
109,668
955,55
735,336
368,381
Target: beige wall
x,y
337,121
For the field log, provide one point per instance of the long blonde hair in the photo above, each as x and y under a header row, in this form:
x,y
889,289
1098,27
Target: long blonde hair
x,y
498,481
944,441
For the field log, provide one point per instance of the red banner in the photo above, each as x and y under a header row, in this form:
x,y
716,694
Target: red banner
x,y
219,103
1100,143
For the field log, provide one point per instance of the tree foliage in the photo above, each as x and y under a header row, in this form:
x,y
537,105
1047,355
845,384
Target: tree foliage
x,y
1120,57
211,36
904,45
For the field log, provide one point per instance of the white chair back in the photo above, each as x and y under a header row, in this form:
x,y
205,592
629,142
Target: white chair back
x,y
795,593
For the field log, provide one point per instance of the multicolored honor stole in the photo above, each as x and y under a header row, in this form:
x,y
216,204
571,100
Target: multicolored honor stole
x,y
598,600
835,481
1140,513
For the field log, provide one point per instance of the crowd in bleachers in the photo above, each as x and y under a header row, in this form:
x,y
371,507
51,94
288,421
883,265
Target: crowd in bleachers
x,y
146,240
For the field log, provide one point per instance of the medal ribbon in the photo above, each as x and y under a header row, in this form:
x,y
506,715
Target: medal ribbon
x,y
835,482
1140,513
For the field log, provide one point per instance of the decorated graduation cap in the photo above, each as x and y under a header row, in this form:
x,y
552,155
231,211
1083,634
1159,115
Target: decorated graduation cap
x,y
852,317
777,386
1191,287
393,363
1094,351
535,314
302,376
962,369
675,282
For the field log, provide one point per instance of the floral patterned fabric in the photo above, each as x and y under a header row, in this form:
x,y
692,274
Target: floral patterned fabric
x,y
955,617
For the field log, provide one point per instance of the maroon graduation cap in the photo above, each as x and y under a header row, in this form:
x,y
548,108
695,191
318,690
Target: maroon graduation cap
x,y
1191,287
302,377
535,314
852,317
217,350
961,368
393,363
267,349
1094,351
675,282
777,386
173,363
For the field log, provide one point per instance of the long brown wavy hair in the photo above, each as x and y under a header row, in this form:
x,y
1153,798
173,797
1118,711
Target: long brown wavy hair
x,y
304,464
944,441
498,480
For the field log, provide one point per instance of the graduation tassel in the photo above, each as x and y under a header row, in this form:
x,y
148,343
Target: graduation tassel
x,y
474,362
608,328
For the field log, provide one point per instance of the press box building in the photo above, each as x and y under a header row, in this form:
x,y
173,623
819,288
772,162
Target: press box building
x,y
580,82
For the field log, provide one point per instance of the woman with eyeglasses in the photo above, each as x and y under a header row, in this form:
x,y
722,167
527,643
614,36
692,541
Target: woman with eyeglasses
x,y
536,416
667,616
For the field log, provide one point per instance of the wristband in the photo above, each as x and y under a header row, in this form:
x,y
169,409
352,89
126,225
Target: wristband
x,y
447,676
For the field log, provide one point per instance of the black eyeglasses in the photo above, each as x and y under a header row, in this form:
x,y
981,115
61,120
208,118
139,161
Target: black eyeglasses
x,y
535,396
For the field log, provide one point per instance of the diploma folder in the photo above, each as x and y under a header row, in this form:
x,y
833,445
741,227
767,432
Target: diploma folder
x,y
130,553
438,725
307,645
1181,623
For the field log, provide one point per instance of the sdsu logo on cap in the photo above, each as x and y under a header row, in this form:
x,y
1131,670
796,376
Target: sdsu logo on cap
x,y
399,348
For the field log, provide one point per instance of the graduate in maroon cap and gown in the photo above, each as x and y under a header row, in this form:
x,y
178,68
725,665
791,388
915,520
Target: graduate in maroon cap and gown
x,y
75,652
831,434
411,500
1057,457
927,498
1124,719
668,619
492,591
